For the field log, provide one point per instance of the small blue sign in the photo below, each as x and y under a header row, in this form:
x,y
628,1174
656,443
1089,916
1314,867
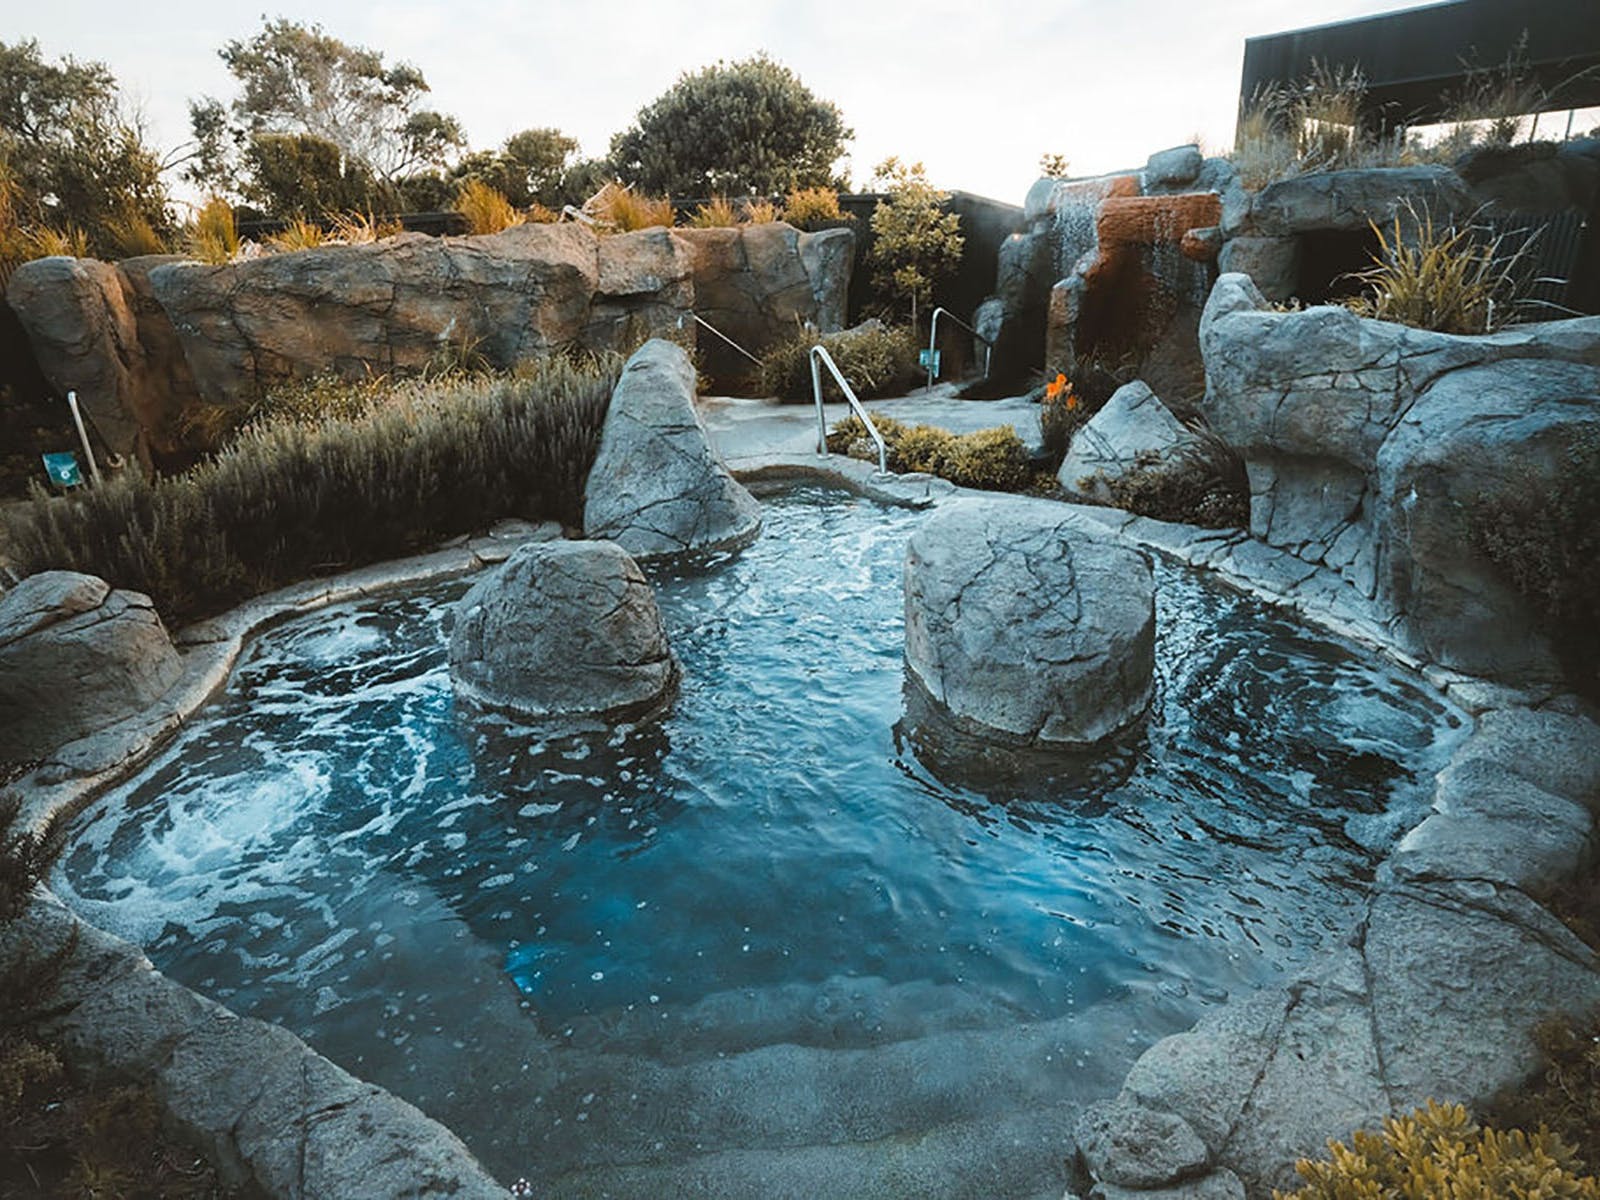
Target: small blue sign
x,y
63,469
928,359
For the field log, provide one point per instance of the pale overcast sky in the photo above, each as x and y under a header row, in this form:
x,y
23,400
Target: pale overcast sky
x,y
976,90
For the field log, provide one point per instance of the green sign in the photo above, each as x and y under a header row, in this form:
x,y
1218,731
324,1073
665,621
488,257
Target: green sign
x,y
928,360
63,469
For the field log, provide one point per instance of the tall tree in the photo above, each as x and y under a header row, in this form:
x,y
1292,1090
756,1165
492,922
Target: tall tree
x,y
744,128
76,157
299,81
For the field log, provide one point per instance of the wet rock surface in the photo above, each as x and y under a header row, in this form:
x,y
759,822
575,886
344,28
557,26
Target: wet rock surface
x,y
562,629
1024,624
656,486
76,656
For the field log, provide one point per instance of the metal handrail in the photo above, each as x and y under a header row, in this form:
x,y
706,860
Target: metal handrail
x,y
933,341
702,321
818,353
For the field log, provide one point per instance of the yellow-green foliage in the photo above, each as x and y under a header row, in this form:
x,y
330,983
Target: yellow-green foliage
x,y
817,206
993,459
44,242
760,212
538,214
130,234
214,238
717,214
1451,279
622,210
291,497
1439,1153
877,359
485,209
298,234
360,229
915,242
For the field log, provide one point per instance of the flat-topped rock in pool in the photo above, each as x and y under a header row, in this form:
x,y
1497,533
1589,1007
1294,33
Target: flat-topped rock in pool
x,y
562,629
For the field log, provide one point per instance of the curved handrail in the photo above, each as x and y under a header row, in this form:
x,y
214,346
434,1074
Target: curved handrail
x,y
933,340
818,353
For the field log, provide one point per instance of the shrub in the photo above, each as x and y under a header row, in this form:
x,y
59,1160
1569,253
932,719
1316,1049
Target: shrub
x,y
214,238
1204,483
1453,280
1065,405
1563,1095
289,498
362,228
808,208
993,459
877,359
622,210
1438,1151
717,214
298,234
485,210
760,212
1542,534
44,242
130,234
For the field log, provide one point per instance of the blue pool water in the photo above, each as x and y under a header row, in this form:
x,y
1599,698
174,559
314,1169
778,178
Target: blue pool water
x,y
785,932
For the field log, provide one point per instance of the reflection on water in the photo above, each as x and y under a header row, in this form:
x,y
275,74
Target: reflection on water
x,y
602,951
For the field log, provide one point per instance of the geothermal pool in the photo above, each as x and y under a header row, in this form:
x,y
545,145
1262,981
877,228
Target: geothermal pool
x,y
782,942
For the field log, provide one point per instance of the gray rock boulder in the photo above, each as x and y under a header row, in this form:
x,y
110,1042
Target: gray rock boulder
x,y
1173,169
656,486
75,657
1023,624
1365,443
1324,200
1124,1143
1273,263
1134,430
562,630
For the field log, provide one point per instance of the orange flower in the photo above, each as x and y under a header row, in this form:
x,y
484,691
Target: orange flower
x,y
1055,386
1072,398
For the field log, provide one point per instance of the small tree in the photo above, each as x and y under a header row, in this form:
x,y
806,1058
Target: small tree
x,y
1054,166
744,128
530,168
915,242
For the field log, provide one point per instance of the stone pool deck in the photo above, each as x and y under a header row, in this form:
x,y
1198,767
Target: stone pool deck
x,y
1433,994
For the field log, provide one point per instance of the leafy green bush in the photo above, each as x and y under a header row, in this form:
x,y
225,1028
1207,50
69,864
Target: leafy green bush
x,y
1543,537
814,208
877,359
1438,1152
993,459
290,498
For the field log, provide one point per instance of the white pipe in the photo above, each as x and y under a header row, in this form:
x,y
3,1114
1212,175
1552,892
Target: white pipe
x,y
83,436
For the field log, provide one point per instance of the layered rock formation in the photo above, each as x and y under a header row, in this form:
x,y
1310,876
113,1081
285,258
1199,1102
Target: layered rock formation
x,y
1366,443
656,486
76,657
1023,625
562,630
144,341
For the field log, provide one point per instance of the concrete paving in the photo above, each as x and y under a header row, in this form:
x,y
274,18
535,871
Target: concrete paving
x,y
745,429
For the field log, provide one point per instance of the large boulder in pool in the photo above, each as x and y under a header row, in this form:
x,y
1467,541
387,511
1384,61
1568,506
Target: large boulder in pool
x,y
76,656
562,629
1024,624
656,486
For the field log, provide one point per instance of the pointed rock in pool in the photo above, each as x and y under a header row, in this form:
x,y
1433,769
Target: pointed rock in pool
x,y
562,629
1025,624
656,486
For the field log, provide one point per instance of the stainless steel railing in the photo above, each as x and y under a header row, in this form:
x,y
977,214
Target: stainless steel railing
x,y
820,358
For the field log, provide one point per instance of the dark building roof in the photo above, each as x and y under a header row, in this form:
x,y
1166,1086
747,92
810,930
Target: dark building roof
x,y
1412,59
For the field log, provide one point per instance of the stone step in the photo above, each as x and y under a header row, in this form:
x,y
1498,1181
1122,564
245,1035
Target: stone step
x,y
1020,1155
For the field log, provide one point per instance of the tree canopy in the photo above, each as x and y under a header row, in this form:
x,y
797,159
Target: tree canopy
x,y
75,158
529,168
743,128
299,82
